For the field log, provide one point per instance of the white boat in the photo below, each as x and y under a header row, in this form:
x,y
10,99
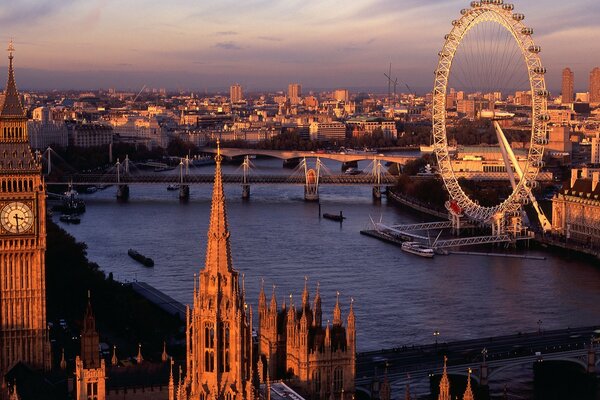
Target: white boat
x,y
418,249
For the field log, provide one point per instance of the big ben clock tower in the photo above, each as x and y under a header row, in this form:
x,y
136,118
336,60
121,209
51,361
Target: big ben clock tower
x,y
23,333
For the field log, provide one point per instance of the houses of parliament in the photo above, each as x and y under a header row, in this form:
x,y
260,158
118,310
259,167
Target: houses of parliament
x,y
222,361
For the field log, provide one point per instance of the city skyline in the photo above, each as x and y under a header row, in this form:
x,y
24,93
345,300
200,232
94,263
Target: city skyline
x,y
265,45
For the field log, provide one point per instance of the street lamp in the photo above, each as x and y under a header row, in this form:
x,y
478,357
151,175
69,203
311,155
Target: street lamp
x,y
539,326
436,334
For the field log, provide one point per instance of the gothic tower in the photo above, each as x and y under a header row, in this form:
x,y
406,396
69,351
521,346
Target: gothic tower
x,y
444,384
23,333
90,370
219,328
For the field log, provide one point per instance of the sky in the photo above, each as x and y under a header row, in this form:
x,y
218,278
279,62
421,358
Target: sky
x,y
266,44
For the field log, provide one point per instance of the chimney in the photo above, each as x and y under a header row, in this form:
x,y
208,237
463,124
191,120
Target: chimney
x,y
574,176
595,180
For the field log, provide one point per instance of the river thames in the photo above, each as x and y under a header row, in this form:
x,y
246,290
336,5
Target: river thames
x,y
400,299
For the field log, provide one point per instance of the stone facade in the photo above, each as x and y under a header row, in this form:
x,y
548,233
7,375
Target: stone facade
x,y
320,361
576,210
23,331
219,327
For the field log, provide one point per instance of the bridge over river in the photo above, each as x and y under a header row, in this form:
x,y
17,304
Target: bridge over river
x,y
486,357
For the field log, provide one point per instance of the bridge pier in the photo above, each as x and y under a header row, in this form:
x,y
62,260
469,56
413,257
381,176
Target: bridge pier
x,y
377,192
349,164
123,192
245,191
591,359
184,192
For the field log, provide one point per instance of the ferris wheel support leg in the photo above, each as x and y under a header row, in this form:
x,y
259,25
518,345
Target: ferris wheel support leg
x,y
505,147
506,156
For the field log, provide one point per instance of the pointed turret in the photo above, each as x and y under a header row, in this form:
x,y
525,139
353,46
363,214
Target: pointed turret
x,y
305,295
90,342
444,383
318,319
171,384
139,357
337,312
468,392
114,361
63,362
273,305
407,395
262,299
11,106
327,336
218,248
164,356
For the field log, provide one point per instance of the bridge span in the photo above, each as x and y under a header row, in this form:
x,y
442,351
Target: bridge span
x,y
192,179
291,154
500,353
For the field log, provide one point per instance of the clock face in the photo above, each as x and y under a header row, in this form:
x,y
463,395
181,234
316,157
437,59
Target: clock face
x,y
16,217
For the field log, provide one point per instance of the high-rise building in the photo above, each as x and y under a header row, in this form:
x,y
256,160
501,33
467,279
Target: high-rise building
x,y
596,149
341,95
235,93
568,79
294,92
219,327
595,85
23,330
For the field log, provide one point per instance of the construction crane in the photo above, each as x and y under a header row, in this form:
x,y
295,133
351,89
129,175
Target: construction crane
x,y
390,83
140,92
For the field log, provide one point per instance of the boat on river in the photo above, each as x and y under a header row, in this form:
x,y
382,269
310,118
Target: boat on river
x,y
70,219
172,187
418,249
334,217
142,259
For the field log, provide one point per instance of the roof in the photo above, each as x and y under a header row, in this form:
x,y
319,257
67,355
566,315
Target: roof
x,y
146,374
584,188
11,106
17,157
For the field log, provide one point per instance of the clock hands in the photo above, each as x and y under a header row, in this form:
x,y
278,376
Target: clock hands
x,y
17,218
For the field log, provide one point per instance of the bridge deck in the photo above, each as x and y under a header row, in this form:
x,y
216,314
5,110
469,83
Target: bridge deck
x,y
111,179
419,361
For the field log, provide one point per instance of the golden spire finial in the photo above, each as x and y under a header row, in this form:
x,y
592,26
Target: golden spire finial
x,y
11,49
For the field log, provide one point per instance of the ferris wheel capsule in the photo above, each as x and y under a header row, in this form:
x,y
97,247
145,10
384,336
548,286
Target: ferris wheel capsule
x,y
538,163
539,70
497,2
527,31
448,37
475,4
486,1
508,7
531,184
534,49
542,141
464,11
543,93
456,22
544,117
518,17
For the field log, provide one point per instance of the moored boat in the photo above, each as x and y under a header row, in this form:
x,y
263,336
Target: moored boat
x,y
173,186
334,217
70,219
145,261
418,249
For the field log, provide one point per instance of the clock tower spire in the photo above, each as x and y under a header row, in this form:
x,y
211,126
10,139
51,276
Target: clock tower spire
x,y
23,331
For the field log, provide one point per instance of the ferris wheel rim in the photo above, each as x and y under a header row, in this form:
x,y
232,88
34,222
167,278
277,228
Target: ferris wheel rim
x,y
495,11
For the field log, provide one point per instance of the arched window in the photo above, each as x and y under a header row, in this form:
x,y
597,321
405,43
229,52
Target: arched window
x,y
338,379
316,378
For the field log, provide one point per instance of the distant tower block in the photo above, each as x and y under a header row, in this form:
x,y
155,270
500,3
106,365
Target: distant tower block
x,y
568,79
235,93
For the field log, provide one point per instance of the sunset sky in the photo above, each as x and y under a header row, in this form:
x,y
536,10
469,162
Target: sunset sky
x,y
265,44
